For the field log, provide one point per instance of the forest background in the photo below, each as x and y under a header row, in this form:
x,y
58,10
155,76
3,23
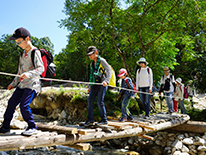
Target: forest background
x,y
165,32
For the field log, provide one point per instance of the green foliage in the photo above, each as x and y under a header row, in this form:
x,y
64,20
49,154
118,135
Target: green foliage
x,y
167,33
62,89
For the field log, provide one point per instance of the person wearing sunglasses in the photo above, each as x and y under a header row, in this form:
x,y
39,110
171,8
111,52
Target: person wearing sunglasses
x,y
27,83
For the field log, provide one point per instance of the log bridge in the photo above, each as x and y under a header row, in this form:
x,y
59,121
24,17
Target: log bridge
x,y
75,136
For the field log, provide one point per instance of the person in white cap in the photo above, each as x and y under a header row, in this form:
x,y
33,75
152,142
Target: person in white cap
x,y
144,83
168,87
179,95
126,83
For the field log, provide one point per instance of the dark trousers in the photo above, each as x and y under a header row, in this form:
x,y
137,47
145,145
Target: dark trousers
x,y
100,102
23,97
145,99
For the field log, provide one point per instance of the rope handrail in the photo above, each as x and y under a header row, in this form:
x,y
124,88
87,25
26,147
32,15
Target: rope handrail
x,y
82,82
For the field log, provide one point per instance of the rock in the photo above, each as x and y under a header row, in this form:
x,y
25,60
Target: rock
x,y
185,149
200,141
56,113
204,137
177,153
177,144
167,148
187,141
201,148
132,153
201,153
180,137
3,153
155,150
186,135
116,142
63,115
16,124
130,141
191,152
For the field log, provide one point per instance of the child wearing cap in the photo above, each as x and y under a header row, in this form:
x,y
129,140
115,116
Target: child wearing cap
x,y
144,83
27,83
179,95
126,82
99,83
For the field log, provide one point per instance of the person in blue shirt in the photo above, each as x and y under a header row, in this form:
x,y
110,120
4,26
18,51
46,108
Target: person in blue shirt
x,y
126,83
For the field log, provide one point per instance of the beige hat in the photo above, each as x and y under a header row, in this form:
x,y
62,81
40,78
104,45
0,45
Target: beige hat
x,y
166,69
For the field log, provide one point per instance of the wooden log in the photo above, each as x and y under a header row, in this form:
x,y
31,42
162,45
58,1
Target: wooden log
x,y
148,127
170,124
105,135
118,125
18,142
80,146
146,136
191,126
135,121
60,129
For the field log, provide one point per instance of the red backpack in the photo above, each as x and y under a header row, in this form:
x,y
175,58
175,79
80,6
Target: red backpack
x,y
47,59
135,90
185,95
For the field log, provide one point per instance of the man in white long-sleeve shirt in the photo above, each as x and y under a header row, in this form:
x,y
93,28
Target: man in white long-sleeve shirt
x,y
144,82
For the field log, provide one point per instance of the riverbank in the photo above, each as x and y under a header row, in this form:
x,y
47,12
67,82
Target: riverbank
x,y
118,146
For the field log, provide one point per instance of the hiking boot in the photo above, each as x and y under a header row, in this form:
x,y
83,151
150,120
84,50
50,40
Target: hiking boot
x,y
102,123
123,120
29,132
88,123
4,130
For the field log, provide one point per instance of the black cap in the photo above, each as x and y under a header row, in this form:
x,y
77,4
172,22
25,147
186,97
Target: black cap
x,y
20,33
91,50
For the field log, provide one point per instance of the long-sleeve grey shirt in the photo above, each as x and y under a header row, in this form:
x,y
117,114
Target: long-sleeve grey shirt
x,y
108,71
33,74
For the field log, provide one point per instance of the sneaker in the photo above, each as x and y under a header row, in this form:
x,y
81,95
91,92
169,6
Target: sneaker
x,y
29,132
146,117
88,123
102,123
130,119
170,112
4,130
123,120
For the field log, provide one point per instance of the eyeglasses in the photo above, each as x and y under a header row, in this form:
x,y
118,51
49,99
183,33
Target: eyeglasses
x,y
19,42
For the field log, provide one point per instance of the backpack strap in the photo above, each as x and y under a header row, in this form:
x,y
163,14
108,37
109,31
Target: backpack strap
x,y
147,70
32,56
128,83
171,77
139,70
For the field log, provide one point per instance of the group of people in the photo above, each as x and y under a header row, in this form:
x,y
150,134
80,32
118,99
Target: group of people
x,y
27,85
171,88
